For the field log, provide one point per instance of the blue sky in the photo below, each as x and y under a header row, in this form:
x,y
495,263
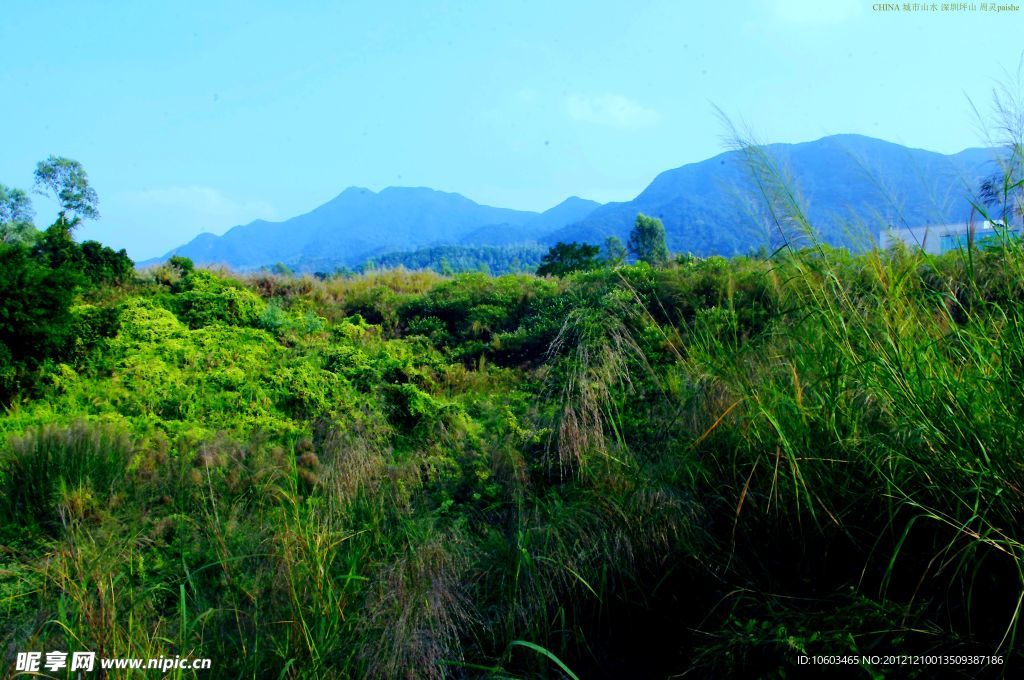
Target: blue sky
x,y
197,116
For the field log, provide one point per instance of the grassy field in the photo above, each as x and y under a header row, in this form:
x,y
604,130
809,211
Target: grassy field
x,y
711,467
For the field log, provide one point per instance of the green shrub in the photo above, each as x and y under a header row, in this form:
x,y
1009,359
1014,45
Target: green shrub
x,y
206,298
35,316
470,311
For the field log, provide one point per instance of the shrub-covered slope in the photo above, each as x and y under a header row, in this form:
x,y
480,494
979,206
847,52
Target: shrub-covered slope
x,y
633,472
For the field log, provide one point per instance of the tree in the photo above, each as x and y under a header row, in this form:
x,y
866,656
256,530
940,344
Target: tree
x,y
615,252
103,265
647,241
56,248
67,180
35,316
281,269
182,264
91,261
563,258
16,216
1004,193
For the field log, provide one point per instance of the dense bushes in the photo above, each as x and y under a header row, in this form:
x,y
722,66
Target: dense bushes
x,y
496,260
707,467
38,285
474,314
95,263
204,298
35,316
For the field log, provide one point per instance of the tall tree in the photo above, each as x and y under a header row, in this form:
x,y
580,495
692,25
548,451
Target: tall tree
x,y
563,258
68,182
615,252
15,216
647,241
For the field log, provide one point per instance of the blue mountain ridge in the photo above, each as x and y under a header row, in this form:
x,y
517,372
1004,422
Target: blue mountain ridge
x,y
360,223
850,186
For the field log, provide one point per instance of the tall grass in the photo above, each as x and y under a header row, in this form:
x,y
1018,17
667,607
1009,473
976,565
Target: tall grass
x,y
880,422
715,467
57,475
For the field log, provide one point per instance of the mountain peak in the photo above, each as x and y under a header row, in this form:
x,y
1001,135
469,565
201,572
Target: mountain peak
x,y
575,200
356,191
358,224
707,207
844,182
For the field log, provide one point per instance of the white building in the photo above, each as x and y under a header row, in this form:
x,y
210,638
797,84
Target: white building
x,y
941,238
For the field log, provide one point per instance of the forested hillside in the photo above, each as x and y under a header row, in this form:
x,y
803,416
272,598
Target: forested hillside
x,y
510,259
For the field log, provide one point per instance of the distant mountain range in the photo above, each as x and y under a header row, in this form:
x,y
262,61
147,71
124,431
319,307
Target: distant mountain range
x,y
851,186
360,224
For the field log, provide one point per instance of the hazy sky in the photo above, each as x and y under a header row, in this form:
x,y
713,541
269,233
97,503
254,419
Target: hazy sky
x,y
197,116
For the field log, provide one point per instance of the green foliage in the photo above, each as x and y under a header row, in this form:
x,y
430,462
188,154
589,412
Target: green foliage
x,y
281,269
94,262
475,314
93,326
205,298
706,467
57,249
698,466
449,260
181,264
647,241
564,258
614,252
15,206
38,286
16,217
68,182
55,475
35,317
103,265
